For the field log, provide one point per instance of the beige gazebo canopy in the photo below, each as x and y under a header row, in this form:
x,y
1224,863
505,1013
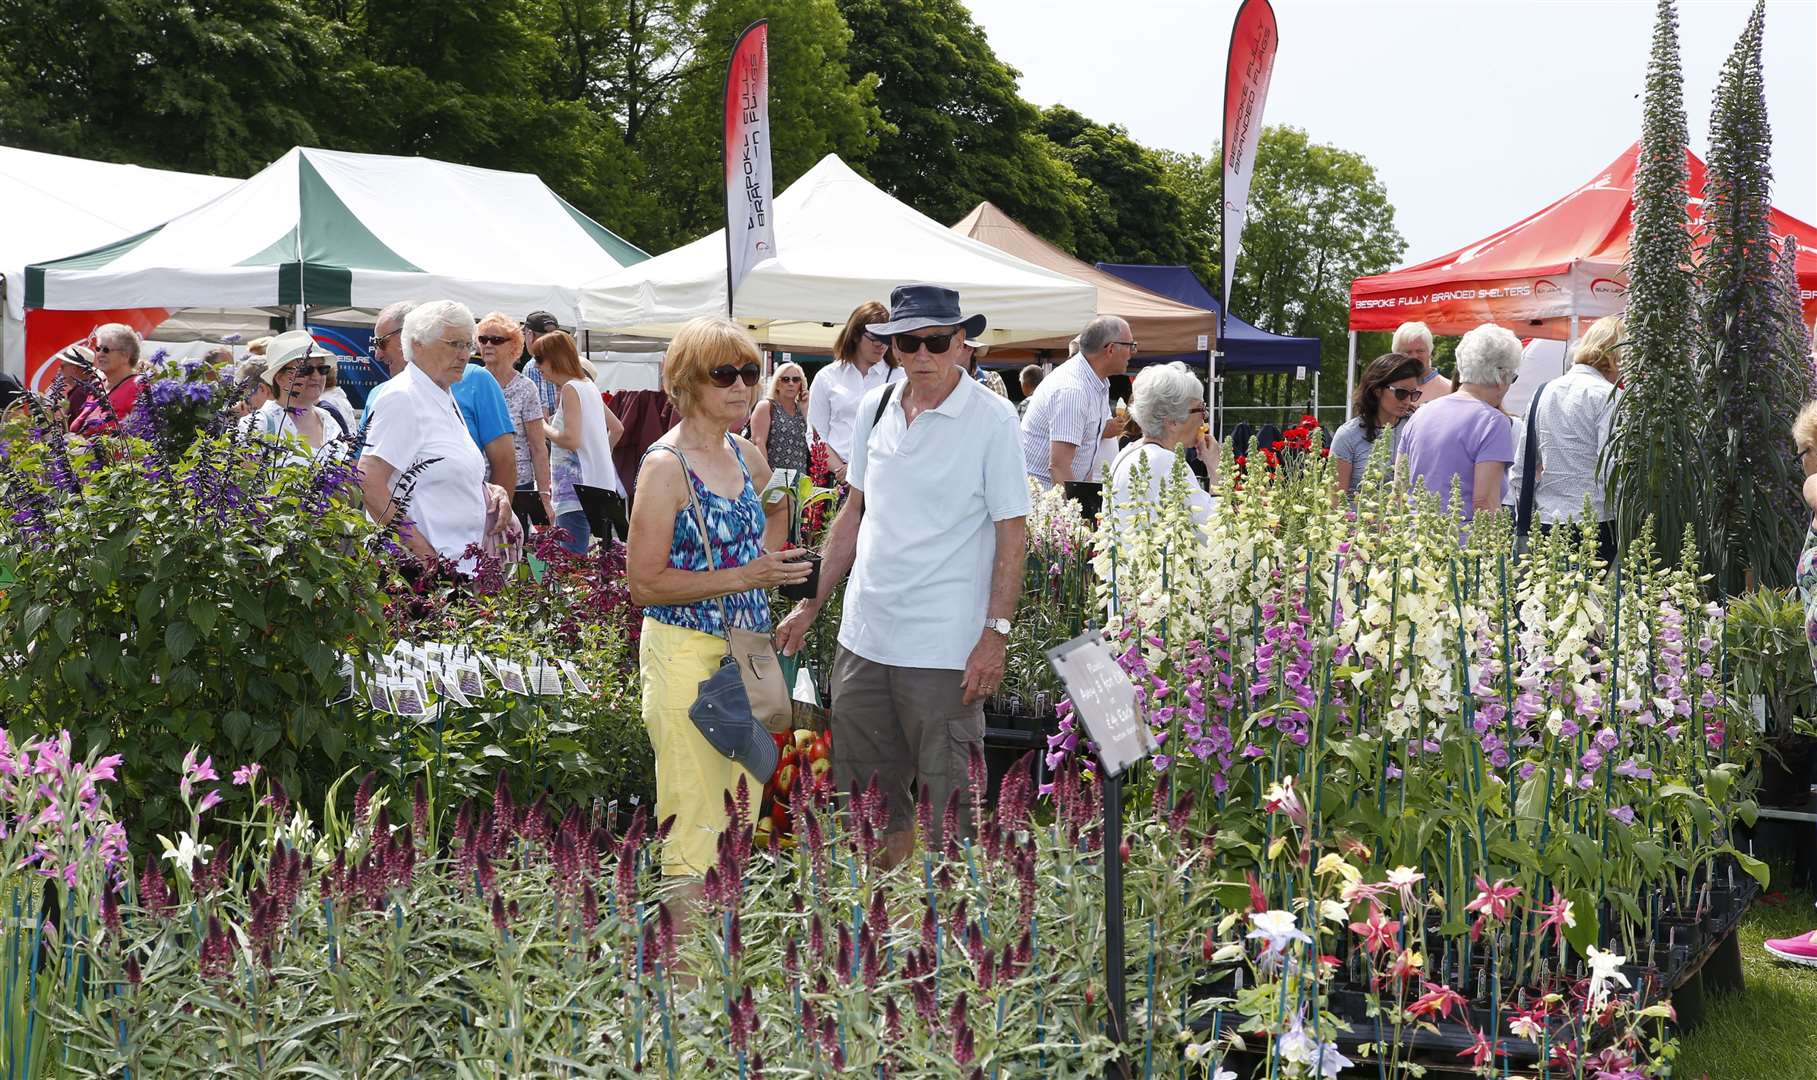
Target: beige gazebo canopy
x,y
1162,325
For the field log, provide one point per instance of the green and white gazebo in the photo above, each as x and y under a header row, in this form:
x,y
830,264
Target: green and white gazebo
x,y
320,232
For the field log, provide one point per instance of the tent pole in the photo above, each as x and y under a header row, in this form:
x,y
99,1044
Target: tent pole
x,y
1350,376
1214,401
1315,393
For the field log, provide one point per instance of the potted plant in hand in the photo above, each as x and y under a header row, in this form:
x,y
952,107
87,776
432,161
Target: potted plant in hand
x,y
798,488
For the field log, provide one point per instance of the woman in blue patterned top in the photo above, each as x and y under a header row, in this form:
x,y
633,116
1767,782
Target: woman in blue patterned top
x,y
711,374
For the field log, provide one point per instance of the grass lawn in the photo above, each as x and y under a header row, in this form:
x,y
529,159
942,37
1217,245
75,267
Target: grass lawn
x,y
1768,1031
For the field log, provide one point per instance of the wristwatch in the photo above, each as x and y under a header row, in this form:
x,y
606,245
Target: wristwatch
x,y
1001,626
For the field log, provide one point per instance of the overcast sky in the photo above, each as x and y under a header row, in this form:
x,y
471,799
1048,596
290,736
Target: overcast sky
x,y
1475,113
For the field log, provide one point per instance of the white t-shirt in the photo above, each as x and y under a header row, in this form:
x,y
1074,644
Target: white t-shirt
x,y
273,421
596,467
833,401
414,422
1070,406
933,493
1160,471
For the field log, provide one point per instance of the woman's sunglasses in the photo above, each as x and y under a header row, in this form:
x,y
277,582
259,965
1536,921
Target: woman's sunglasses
x,y
937,344
788,378
880,339
726,374
493,339
1401,393
310,369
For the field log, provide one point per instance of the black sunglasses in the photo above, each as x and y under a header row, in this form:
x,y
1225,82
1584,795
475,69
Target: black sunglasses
x,y
726,374
937,344
1401,393
788,378
881,339
311,369
493,339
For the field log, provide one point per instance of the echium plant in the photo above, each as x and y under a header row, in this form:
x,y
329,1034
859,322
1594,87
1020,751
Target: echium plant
x,y
1753,390
1654,450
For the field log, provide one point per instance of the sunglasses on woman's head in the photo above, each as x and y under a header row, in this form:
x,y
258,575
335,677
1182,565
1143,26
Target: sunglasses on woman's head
x,y
493,339
937,344
1401,393
726,374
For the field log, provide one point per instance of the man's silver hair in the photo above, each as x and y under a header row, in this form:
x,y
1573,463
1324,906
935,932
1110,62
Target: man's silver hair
x,y
1489,355
1100,332
426,324
394,313
1164,395
119,336
1409,332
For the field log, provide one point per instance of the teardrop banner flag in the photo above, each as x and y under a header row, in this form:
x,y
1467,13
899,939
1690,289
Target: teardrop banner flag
x,y
750,217
1246,73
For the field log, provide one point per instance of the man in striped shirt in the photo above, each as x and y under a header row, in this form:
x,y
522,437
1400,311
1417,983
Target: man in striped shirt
x,y
1069,418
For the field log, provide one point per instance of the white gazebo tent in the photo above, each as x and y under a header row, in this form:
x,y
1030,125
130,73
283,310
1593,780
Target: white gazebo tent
x,y
318,233
51,205
840,241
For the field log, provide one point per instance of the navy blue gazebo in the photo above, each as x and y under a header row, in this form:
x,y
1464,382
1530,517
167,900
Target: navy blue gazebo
x,y
1242,348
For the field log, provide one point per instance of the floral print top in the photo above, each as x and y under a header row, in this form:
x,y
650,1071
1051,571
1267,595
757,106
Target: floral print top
x,y
1807,589
737,529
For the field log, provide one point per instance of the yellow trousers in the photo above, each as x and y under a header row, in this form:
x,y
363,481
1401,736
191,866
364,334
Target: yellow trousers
x,y
692,778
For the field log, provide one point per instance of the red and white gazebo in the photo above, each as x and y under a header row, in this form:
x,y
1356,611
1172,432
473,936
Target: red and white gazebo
x,y
1543,274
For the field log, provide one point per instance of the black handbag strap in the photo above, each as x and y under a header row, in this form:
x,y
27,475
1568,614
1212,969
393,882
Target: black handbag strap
x,y
1529,476
888,389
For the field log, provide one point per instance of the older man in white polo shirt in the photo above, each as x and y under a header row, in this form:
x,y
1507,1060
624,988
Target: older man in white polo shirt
x,y
934,536
1068,430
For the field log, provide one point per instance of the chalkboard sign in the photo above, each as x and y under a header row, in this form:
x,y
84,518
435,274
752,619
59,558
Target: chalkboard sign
x,y
1104,700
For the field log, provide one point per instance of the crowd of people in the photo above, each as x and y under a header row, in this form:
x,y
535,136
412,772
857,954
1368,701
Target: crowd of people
x,y
470,430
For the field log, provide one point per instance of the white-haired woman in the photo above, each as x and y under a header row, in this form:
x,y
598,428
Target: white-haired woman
x,y
1169,404
779,423
1415,339
1572,417
415,429
1465,436
116,359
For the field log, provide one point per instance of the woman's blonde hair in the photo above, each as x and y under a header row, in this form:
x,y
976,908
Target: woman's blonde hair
x,y
1600,347
702,345
776,378
1804,429
556,355
845,343
503,325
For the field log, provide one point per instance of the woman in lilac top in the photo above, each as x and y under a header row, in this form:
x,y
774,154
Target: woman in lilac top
x,y
1465,435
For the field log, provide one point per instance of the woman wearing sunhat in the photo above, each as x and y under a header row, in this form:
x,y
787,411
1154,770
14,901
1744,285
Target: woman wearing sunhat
x,y
296,371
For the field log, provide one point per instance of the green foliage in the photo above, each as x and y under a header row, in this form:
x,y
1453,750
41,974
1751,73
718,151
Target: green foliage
x,y
1130,214
1771,656
954,129
200,602
1653,471
1752,390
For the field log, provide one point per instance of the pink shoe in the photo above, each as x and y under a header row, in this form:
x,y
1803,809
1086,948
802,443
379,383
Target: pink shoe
x,y
1798,950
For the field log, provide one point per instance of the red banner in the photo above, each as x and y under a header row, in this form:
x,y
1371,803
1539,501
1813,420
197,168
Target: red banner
x,y
48,333
1246,73
750,221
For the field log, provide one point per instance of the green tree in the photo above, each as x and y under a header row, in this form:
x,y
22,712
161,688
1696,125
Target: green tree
x,y
220,86
1318,218
953,129
817,107
1130,214
1656,439
1751,390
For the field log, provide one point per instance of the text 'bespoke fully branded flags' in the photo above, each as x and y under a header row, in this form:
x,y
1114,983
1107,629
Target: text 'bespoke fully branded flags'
x,y
1246,74
750,217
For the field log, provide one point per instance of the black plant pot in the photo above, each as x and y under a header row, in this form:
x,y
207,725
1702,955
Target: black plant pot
x,y
807,589
1785,772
